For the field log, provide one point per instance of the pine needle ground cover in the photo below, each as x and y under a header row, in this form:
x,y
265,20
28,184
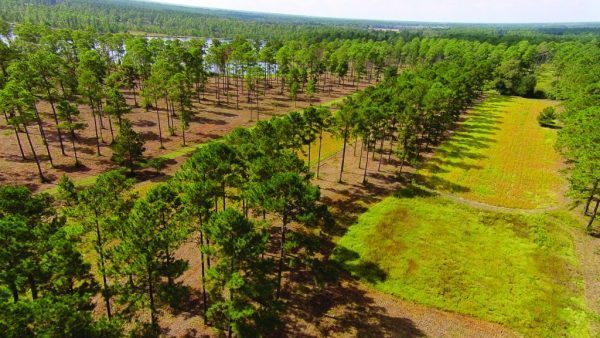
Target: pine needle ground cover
x,y
514,269
500,156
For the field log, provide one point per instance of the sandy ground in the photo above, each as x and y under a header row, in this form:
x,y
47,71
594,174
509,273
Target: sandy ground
x,y
210,121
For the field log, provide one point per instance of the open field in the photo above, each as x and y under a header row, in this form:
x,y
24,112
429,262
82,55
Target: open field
x,y
518,270
500,156
522,269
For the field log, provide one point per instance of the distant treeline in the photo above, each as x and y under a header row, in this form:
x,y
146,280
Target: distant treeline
x,y
135,16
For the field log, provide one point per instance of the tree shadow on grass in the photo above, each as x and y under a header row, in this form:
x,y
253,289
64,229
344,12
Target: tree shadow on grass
x,y
350,261
437,163
344,308
435,183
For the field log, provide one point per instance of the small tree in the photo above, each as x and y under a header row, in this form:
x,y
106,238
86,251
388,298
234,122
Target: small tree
x,y
292,198
157,163
242,293
547,118
66,113
128,148
99,208
294,89
149,240
311,89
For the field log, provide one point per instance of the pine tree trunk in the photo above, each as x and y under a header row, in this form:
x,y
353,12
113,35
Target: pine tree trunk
x,y
362,146
51,99
75,151
257,106
99,244
381,151
589,200
391,148
344,153
593,218
37,161
203,273
15,292
159,126
112,133
153,318
309,157
17,135
33,286
96,129
281,255
367,160
319,152
223,192
43,134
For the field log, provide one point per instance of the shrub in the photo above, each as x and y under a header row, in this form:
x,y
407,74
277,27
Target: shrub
x,y
547,118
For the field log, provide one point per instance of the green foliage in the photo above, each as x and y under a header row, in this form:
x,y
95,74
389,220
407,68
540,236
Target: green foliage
x,y
157,163
577,65
148,241
241,290
128,148
43,272
547,118
578,140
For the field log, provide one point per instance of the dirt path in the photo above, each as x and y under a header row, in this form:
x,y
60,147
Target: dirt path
x,y
489,207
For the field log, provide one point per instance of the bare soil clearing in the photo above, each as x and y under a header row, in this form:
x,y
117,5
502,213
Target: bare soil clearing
x,y
209,122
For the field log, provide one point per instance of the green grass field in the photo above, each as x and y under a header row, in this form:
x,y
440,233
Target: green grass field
x,y
500,156
517,270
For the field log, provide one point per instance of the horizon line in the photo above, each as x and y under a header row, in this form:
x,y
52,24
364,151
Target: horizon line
x,y
396,21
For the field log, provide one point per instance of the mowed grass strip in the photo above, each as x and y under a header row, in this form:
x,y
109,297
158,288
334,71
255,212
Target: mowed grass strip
x,y
500,156
517,270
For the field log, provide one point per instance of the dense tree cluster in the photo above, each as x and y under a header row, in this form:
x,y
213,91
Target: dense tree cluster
x,y
223,196
65,69
112,16
230,190
246,200
46,285
577,65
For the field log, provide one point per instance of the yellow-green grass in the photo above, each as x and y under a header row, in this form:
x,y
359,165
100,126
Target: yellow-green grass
x,y
330,146
500,156
515,269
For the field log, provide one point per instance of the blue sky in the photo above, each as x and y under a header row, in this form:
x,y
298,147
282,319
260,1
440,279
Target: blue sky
x,y
491,11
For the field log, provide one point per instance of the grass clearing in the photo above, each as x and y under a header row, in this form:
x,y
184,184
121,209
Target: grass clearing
x,y
331,145
500,156
515,269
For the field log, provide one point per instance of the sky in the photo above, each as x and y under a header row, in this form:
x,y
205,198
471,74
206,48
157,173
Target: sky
x,y
464,11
